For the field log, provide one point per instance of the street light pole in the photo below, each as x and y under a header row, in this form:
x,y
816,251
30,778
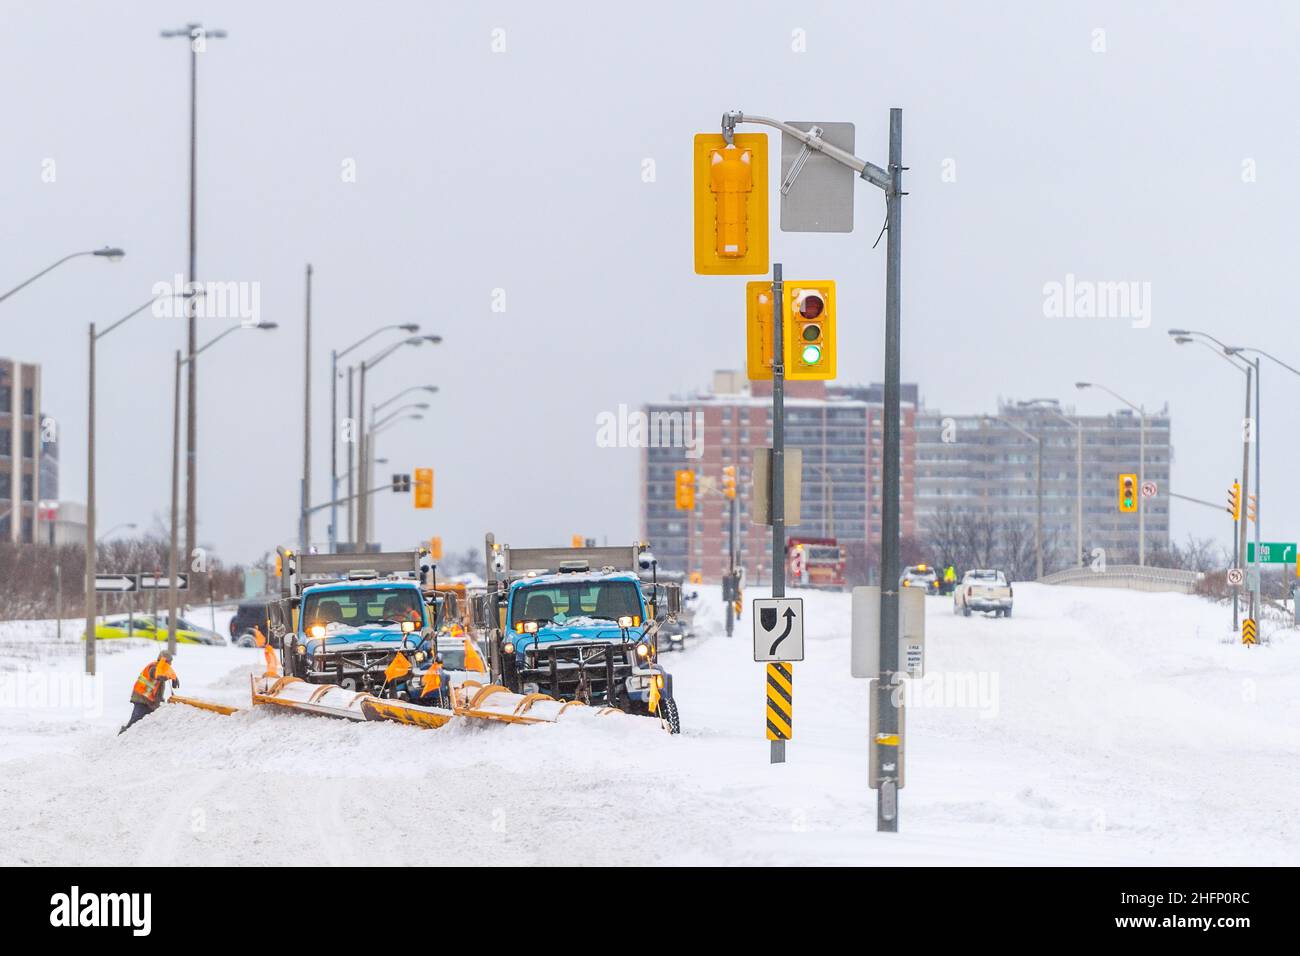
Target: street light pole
x,y
1042,406
91,550
304,521
1142,462
111,253
198,37
176,444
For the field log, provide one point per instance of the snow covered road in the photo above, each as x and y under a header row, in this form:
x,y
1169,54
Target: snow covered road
x,y
1097,727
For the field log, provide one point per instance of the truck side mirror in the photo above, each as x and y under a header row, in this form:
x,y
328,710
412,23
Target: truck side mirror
x,y
672,598
483,607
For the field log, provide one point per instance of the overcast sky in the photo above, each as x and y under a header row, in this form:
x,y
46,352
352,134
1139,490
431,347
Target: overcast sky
x,y
1159,150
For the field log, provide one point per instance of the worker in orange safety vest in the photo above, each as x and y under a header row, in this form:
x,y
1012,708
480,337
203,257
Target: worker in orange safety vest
x,y
147,693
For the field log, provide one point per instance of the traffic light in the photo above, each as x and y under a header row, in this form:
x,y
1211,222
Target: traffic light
x,y
577,541
729,481
685,490
758,330
810,330
435,548
1234,501
1128,493
731,232
1250,507
401,483
423,487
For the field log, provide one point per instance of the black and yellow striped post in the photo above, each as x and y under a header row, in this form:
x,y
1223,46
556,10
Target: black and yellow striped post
x,y
780,705
1249,631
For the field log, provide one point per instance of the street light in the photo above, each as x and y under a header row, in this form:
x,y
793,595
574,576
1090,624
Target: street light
x,y
197,35
1045,405
363,476
91,554
1142,457
111,253
1230,355
1038,524
176,452
431,389
409,328
117,527
396,418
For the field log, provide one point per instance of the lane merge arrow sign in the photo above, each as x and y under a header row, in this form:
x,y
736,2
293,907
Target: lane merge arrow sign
x,y
116,583
778,629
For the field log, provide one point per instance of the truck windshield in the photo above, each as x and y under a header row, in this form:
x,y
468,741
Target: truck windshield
x,y
362,606
823,554
563,602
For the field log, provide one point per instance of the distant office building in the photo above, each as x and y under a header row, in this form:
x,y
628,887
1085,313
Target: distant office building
x,y
840,435
949,463
20,450
979,463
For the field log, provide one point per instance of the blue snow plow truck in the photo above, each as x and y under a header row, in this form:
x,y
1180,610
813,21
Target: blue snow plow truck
x,y
580,624
346,617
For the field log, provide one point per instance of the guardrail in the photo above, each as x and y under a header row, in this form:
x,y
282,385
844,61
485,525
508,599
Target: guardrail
x,y
1131,576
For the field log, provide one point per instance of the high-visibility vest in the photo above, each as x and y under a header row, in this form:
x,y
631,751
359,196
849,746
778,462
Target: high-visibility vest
x,y
149,683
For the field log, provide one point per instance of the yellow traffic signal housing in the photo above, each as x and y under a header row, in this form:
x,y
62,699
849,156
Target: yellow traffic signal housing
x,y
424,487
809,330
1250,507
729,481
731,230
758,330
435,548
1234,501
685,490
1128,492
577,541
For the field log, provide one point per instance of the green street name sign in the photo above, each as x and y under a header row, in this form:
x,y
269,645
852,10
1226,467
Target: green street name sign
x,y
1272,552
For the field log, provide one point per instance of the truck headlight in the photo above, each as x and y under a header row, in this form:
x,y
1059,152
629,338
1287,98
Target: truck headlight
x,y
643,650
508,647
529,688
625,621
317,630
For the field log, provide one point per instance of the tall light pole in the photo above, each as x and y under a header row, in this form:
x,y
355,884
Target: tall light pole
x,y
362,472
410,328
1038,523
396,418
197,35
176,445
1142,463
1077,424
1259,471
91,551
1182,337
111,253
304,520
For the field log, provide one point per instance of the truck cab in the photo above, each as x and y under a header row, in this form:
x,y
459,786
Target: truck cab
x,y
580,624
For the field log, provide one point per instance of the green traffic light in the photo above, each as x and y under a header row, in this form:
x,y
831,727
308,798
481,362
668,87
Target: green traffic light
x,y
812,354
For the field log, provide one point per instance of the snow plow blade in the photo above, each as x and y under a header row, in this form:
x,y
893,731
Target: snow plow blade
x,y
292,693
203,704
471,700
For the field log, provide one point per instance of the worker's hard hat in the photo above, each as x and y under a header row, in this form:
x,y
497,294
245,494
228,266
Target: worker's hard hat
x,y
165,656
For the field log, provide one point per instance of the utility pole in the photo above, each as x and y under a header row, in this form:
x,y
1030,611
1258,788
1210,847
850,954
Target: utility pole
x,y
777,483
1245,486
198,37
304,521
887,712
352,454
90,512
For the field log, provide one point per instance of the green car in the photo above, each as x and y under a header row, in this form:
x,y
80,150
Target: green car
x,y
148,629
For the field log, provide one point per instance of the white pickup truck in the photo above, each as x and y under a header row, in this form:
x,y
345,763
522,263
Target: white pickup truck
x,y
982,590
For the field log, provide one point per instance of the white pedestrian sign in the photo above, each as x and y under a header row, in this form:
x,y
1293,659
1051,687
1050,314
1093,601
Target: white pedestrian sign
x,y
778,629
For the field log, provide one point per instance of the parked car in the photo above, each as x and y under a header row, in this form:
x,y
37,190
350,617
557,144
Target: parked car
x,y
983,590
206,635
250,613
147,628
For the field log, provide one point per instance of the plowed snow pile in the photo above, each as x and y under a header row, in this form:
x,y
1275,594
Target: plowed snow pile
x,y
1093,727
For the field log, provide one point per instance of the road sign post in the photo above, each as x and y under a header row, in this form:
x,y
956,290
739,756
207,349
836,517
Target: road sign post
x,y
777,482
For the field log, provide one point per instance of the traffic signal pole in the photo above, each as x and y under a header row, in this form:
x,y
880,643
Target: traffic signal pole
x,y
888,754
888,743
777,483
